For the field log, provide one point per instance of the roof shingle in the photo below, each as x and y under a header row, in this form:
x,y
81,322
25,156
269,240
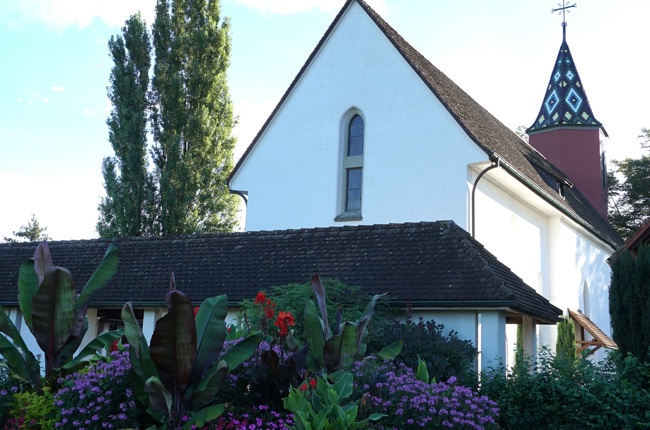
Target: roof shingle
x,y
433,264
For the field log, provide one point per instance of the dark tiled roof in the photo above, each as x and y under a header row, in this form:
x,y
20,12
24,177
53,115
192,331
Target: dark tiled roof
x,y
565,101
498,141
433,264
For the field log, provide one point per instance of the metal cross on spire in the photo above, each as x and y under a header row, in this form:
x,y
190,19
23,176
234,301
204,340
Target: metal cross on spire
x,y
563,8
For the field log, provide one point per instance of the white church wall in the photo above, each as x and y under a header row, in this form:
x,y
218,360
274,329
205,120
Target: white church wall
x,y
414,152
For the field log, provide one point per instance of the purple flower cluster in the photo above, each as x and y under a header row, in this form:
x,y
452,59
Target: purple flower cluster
x,y
413,404
260,418
98,397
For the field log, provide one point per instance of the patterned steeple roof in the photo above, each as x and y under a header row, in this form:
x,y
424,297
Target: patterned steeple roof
x,y
565,101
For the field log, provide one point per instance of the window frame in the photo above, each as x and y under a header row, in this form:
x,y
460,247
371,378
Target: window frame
x,y
347,163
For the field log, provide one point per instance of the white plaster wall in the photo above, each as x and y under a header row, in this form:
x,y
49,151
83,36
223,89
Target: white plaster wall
x,y
414,152
547,250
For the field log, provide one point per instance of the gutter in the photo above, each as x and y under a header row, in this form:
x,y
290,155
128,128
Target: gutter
x,y
494,165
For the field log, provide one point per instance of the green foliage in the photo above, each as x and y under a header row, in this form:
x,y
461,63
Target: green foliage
x,y
519,351
629,302
179,374
331,350
447,356
35,411
629,200
321,404
129,206
192,117
53,312
556,394
291,298
32,232
565,346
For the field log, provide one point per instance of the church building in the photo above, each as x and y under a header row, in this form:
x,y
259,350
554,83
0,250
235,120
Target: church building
x,y
370,132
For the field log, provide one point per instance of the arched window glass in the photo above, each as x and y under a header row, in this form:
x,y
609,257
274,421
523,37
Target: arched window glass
x,y
355,136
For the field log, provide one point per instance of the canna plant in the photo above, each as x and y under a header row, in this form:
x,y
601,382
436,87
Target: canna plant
x,y
331,351
54,313
178,374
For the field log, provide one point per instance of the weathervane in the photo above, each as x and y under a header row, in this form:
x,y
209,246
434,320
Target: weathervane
x,y
563,7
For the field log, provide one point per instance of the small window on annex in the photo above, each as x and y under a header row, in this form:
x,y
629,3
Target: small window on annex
x,y
351,169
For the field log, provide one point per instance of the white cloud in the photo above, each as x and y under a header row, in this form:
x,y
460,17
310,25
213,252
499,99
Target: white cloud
x,y
63,13
252,114
57,89
46,100
87,113
288,7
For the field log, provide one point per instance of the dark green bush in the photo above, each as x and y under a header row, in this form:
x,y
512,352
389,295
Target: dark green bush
x,y
561,394
445,355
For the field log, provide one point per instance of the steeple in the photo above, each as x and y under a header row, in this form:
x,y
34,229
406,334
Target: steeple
x,y
566,131
565,101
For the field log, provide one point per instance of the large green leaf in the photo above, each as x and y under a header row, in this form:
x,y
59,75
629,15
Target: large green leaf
x,y
143,365
103,341
205,392
27,287
391,351
210,335
318,289
8,328
13,360
340,350
53,311
206,415
242,351
314,333
160,399
104,272
173,344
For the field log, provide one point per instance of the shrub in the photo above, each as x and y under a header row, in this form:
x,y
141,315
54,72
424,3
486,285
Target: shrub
x,y
99,397
8,388
561,394
411,403
446,356
34,411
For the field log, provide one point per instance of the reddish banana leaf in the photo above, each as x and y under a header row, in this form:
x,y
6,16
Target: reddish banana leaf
x,y
173,345
53,312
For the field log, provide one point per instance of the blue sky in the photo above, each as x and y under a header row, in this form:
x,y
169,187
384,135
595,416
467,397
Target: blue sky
x,y
53,80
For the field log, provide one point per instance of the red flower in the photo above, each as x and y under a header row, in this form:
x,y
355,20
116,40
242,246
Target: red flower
x,y
196,311
284,320
114,345
303,387
312,382
260,299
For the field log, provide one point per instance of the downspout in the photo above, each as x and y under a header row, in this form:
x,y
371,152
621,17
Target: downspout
x,y
494,165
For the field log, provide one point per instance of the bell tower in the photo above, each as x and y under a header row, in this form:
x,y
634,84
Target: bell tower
x,y
566,131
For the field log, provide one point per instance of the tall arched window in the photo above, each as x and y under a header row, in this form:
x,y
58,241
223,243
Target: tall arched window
x,y
352,169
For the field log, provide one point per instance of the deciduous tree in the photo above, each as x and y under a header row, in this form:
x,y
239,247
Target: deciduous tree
x,y
129,206
629,198
192,117
32,232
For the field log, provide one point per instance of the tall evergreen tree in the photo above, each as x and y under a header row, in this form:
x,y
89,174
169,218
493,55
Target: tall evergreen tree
x,y
629,302
192,117
565,345
629,200
129,206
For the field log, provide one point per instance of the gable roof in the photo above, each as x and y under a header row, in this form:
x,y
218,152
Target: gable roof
x,y
517,157
565,101
429,264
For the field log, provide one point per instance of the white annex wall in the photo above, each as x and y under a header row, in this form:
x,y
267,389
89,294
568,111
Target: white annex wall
x,y
292,173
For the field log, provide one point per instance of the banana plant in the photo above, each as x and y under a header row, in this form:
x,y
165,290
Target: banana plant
x,y
53,312
180,372
333,351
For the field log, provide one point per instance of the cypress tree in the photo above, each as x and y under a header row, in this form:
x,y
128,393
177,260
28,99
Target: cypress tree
x,y
129,206
629,302
192,117
565,345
